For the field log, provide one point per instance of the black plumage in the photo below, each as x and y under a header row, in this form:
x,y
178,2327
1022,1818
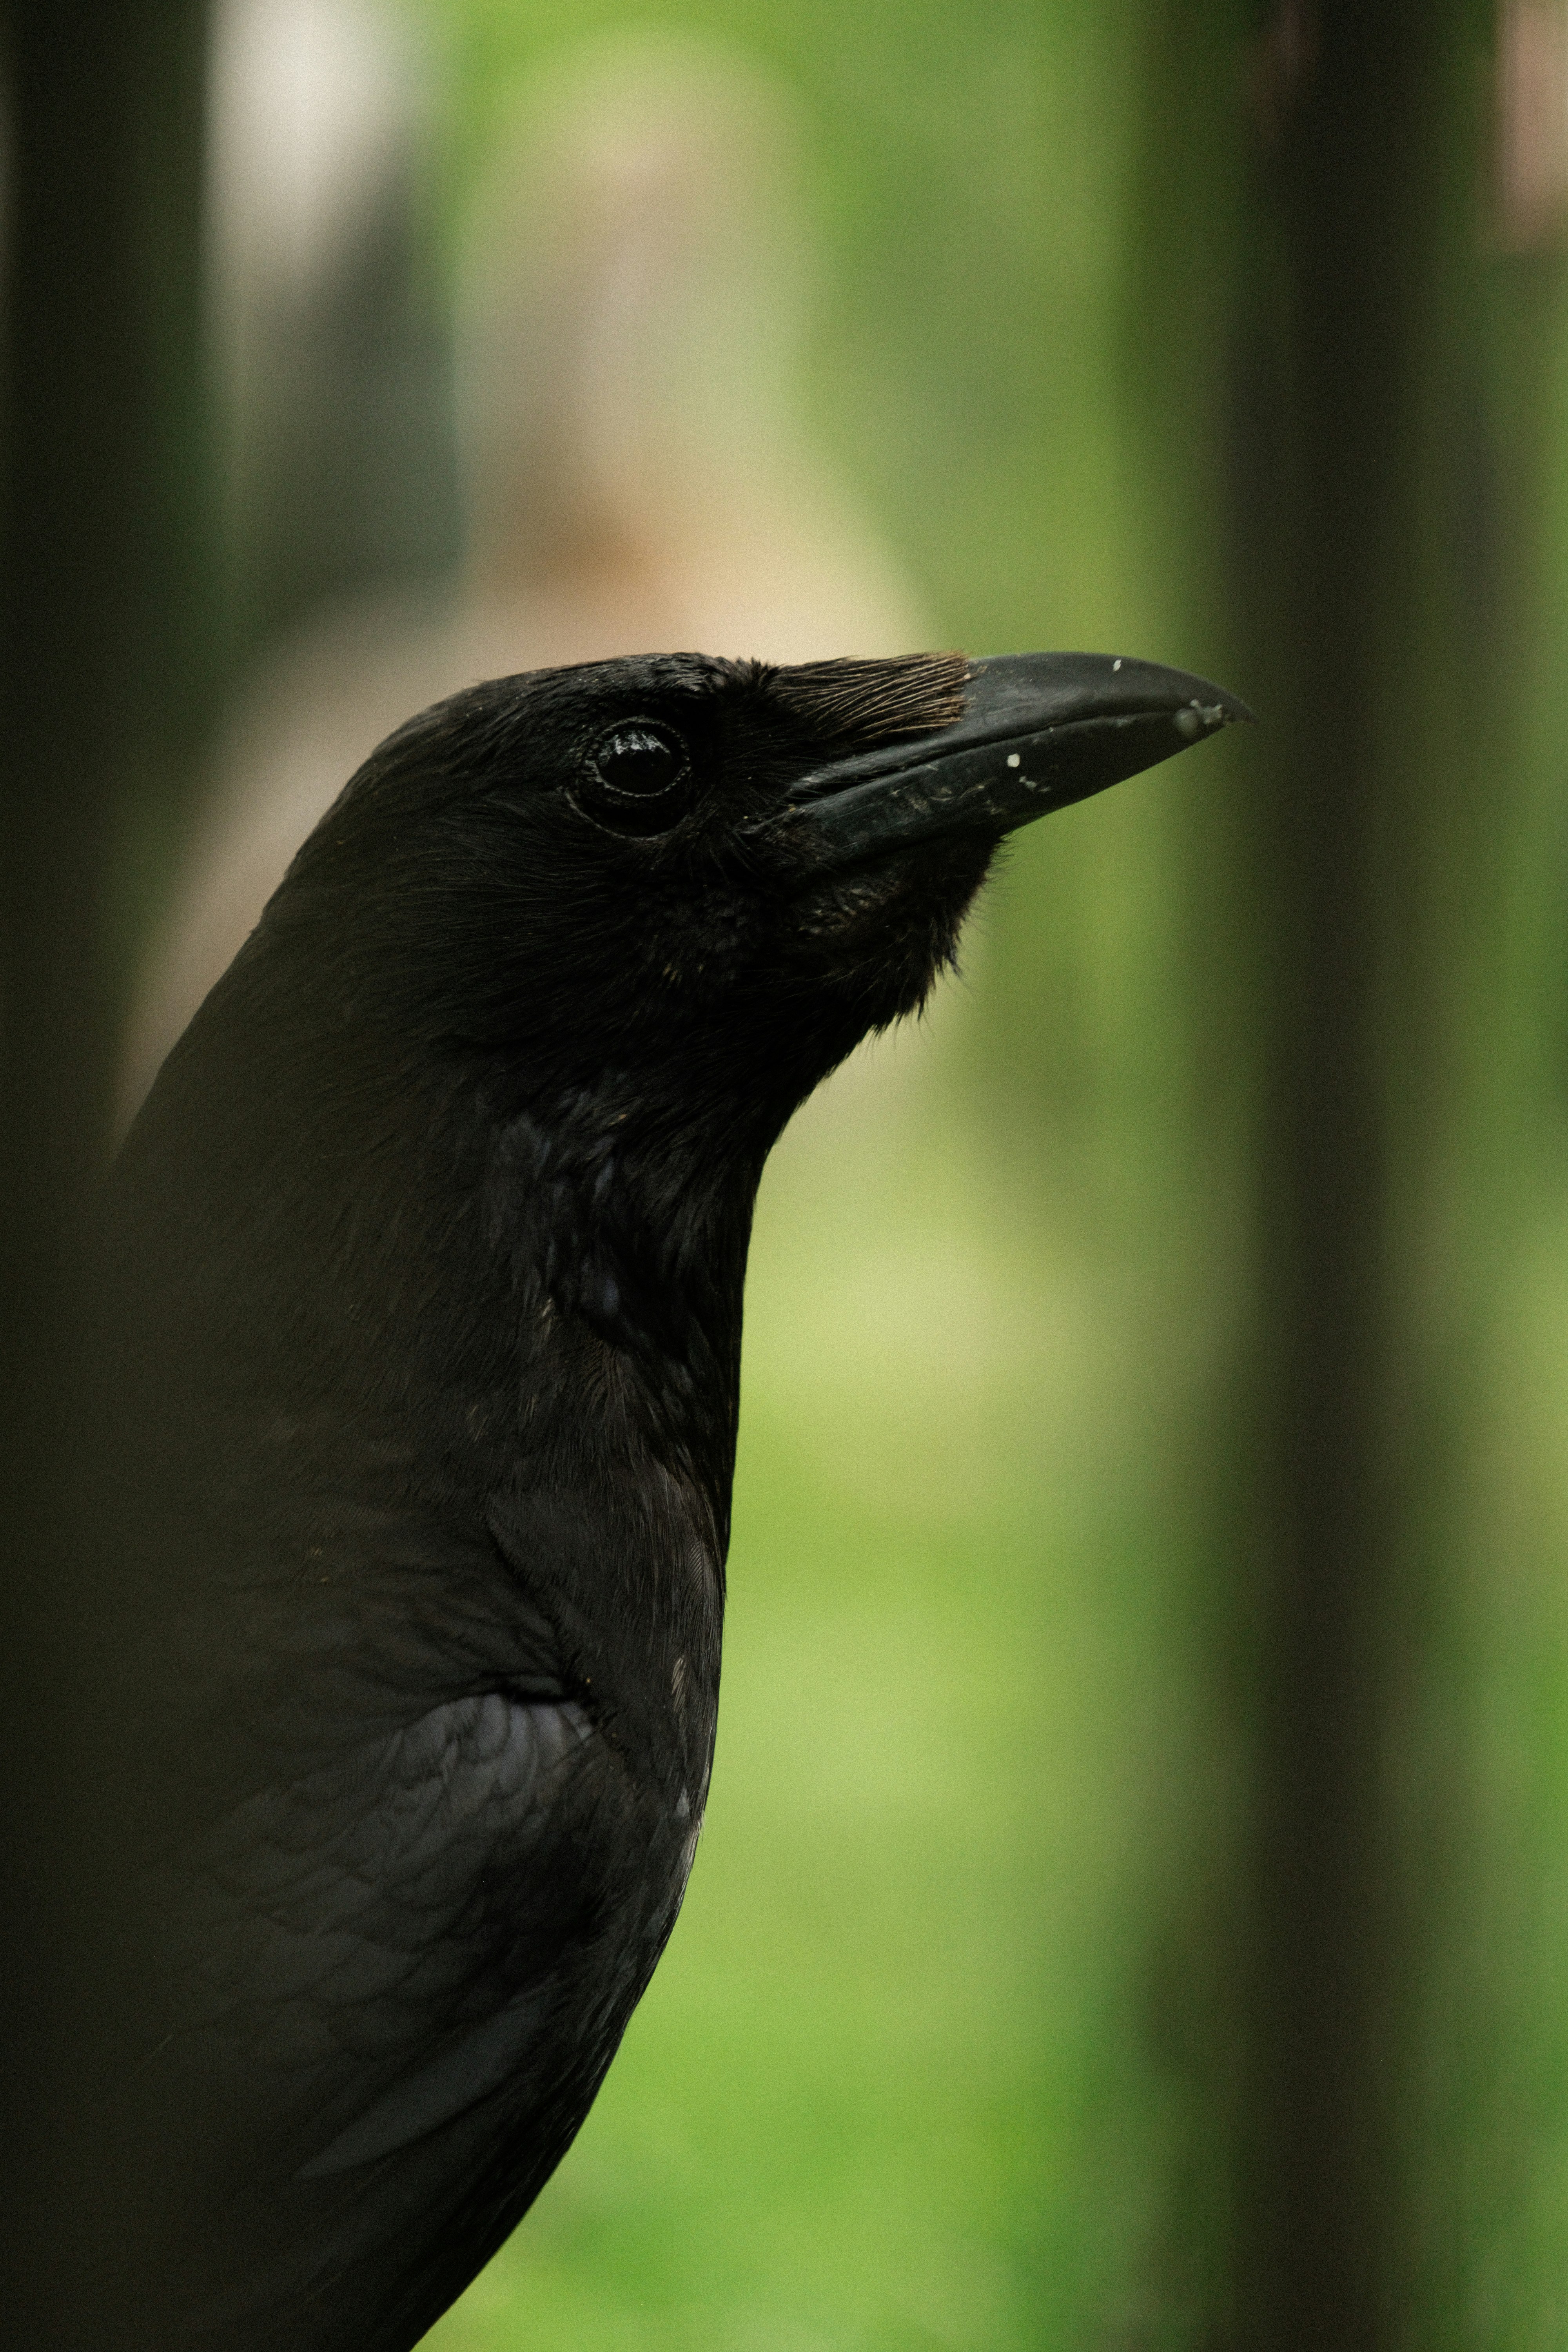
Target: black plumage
x,y
419,1351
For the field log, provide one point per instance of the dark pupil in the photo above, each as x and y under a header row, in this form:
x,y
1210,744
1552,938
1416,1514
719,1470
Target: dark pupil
x,y
637,760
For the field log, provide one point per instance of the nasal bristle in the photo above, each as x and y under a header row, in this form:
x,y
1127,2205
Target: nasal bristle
x,y
869,701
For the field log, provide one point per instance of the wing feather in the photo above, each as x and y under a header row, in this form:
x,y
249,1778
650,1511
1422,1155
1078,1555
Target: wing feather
x,y
338,1940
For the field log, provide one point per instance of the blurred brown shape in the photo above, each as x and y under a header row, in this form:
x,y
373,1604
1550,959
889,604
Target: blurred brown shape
x,y
1280,62
1531,124
329,349
637,477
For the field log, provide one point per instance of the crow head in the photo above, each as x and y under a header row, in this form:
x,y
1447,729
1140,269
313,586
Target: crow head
x,y
700,882
535,998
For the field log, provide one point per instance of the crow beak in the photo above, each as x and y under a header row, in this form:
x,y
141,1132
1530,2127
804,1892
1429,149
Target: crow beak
x,y
1039,731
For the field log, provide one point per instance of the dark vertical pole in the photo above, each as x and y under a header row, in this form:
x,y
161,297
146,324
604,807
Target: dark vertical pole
x,y
1304,295
100,513
1342,555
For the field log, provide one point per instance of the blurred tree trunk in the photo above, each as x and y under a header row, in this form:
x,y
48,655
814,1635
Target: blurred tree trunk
x,y
104,593
1319,158
1345,549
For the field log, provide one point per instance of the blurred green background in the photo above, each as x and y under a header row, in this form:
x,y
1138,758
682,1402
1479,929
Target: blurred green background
x,y
947,2049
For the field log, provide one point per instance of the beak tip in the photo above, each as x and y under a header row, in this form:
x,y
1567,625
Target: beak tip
x,y
1197,719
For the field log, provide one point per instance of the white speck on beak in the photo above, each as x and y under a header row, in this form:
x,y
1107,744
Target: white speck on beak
x,y
1012,759
1117,663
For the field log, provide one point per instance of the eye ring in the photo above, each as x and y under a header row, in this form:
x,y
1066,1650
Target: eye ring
x,y
636,778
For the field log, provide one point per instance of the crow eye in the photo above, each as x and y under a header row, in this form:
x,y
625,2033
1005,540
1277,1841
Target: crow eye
x,y
640,760
636,778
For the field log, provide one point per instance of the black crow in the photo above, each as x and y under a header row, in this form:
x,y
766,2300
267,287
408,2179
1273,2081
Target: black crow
x,y
420,1350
